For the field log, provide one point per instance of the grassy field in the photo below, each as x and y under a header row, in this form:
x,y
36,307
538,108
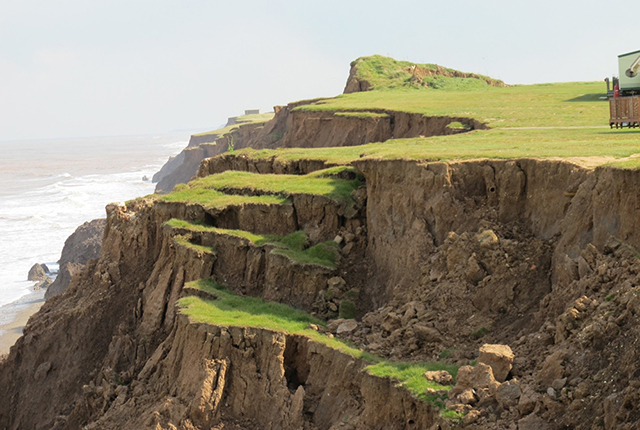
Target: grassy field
x,y
543,105
231,310
564,120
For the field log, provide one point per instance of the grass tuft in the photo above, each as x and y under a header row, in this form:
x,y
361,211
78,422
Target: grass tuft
x,y
322,254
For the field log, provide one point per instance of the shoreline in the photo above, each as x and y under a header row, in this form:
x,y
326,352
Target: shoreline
x,y
22,310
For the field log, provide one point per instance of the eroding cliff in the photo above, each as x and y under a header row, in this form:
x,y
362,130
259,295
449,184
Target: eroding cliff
x,y
440,258
298,126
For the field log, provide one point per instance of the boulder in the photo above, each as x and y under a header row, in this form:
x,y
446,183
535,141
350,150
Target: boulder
x,y
333,325
487,239
37,273
426,334
467,397
479,377
552,369
475,273
499,357
43,285
336,282
471,417
347,327
441,377
508,394
528,400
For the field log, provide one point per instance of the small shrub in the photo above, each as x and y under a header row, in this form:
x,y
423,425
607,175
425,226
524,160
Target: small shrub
x,y
610,297
347,309
480,333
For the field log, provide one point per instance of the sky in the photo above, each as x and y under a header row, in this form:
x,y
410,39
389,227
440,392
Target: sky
x,y
73,68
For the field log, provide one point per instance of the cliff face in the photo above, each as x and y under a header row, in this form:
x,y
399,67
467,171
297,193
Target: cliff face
x,y
83,245
441,251
257,379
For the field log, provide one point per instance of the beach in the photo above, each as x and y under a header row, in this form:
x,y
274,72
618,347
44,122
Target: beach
x,y
19,312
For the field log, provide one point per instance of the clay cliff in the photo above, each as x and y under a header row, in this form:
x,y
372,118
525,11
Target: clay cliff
x,y
83,245
522,274
445,257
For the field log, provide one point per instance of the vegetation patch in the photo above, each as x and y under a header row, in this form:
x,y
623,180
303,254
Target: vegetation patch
x,y
211,198
361,114
322,254
457,125
385,72
229,309
284,185
292,245
410,376
184,241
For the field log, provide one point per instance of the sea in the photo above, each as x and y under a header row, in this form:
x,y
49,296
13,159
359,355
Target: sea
x,y
50,187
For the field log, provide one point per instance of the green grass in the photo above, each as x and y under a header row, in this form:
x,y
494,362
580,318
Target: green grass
x,y
292,245
564,120
184,241
232,310
241,120
229,309
385,72
410,376
361,114
322,254
210,198
199,189
483,144
542,105
257,239
295,241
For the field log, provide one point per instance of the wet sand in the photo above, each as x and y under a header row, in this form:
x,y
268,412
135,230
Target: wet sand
x,y
11,331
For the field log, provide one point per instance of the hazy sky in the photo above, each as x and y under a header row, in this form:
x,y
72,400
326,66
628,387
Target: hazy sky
x,y
91,68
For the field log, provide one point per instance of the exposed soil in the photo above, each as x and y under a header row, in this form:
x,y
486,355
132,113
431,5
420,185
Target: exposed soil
x,y
537,255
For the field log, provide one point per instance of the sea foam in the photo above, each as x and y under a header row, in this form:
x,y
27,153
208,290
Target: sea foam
x,y
43,202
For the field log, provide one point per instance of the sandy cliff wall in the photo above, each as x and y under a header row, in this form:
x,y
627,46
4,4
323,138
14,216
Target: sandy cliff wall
x,y
127,358
258,379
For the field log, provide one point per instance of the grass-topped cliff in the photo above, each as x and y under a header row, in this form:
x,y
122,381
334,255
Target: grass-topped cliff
x,y
565,120
211,136
351,265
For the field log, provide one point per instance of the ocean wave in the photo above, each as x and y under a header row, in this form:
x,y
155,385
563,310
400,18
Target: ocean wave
x,y
36,219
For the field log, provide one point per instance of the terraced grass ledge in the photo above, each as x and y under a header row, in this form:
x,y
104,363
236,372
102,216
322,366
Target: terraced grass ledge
x,y
211,198
184,241
293,246
254,183
227,309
